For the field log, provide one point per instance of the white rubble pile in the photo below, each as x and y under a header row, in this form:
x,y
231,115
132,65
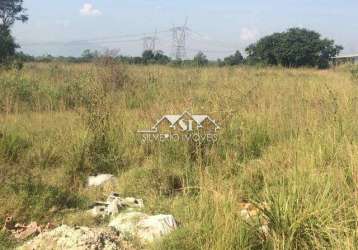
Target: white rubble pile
x,y
114,204
81,238
144,227
127,220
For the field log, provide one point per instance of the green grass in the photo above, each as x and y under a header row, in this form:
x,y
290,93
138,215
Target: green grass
x,y
6,242
289,138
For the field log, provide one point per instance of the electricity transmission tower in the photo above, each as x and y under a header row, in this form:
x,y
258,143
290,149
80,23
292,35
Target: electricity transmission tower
x,y
179,41
149,42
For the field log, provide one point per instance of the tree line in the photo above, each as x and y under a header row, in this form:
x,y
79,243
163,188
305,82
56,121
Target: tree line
x,y
296,47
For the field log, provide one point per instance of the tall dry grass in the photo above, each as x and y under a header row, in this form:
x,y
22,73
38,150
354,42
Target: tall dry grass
x,y
289,138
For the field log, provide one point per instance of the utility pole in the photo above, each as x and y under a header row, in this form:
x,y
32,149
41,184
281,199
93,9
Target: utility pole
x,y
179,41
149,42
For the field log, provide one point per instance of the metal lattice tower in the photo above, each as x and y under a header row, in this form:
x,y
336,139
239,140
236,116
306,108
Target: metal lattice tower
x,y
149,42
179,41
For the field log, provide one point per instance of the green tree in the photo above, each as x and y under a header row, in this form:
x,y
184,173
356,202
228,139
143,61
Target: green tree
x,y
294,48
200,59
148,56
10,11
160,58
7,46
88,55
328,50
24,57
235,59
265,50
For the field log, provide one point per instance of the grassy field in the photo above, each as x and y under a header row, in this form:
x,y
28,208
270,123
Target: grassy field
x,y
289,138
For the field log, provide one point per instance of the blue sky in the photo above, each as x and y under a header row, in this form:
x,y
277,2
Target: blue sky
x,y
68,27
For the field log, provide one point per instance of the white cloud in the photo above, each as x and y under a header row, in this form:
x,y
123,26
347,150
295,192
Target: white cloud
x,y
89,10
249,35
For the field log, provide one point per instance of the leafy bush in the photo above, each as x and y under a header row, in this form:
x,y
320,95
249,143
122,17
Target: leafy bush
x,y
235,59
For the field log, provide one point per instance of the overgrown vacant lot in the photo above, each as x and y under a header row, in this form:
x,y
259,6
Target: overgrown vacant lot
x,y
288,138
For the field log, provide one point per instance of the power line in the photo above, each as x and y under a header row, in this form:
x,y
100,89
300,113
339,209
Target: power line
x,y
99,40
179,40
212,41
78,43
211,51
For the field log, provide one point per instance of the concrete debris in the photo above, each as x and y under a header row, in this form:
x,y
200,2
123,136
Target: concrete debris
x,y
154,227
253,214
79,238
127,220
22,231
98,180
26,231
114,204
144,227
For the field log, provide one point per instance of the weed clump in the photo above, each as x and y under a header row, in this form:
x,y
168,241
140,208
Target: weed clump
x,y
354,73
110,74
38,198
5,240
13,145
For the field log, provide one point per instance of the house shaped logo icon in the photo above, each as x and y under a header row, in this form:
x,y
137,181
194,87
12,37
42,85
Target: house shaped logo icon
x,y
185,122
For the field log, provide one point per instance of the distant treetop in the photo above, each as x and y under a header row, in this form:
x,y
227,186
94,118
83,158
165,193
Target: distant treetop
x,y
11,11
294,48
